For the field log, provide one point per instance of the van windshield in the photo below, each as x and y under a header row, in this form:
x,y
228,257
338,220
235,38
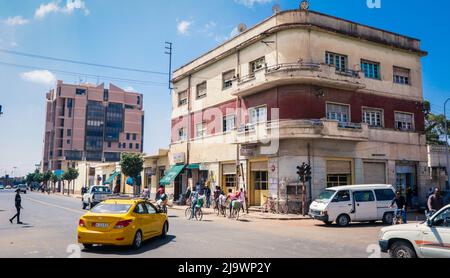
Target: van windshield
x,y
326,195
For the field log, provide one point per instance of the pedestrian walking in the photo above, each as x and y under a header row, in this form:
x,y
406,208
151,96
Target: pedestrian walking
x,y
242,200
18,203
208,196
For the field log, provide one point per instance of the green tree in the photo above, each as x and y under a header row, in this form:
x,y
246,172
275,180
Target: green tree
x,y
70,175
132,165
434,126
46,177
54,179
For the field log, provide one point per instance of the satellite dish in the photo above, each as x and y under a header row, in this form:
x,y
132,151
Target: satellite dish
x,y
304,5
276,8
242,27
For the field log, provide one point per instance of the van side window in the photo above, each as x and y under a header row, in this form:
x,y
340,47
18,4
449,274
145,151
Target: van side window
x,y
363,196
384,194
342,196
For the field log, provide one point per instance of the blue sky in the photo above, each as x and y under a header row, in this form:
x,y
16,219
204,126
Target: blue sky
x,y
132,34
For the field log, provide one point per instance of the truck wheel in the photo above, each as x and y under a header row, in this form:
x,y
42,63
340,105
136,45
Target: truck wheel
x,y
402,249
343,220
388,217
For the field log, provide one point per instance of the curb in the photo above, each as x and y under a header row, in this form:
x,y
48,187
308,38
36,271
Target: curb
x,y
250,216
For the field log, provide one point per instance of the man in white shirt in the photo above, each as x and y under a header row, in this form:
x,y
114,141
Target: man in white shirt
x,y
242,200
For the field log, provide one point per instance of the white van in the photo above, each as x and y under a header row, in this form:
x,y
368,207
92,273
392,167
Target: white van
x,y
354,203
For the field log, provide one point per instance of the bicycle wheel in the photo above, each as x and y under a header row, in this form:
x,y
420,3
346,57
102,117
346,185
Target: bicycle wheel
x,y
188,213
198,214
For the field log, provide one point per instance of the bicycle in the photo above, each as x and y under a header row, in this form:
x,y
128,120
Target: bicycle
x,y
282,208
269,205
398,219
236,208
198,213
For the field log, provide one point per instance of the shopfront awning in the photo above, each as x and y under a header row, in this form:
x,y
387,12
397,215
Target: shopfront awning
x,y
171,175
112,177
193,166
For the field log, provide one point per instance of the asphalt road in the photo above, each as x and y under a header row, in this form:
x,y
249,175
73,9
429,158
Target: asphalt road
x,y
50,223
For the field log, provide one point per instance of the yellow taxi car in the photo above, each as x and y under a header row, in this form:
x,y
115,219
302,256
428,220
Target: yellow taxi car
x,y
122,222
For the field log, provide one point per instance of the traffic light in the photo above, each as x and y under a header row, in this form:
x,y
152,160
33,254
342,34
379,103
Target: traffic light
x,y
304,172
308,172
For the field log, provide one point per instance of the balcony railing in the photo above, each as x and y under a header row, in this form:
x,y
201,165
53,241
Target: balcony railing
x,y
293,67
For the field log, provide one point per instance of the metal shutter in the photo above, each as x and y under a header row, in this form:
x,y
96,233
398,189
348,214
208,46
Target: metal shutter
x,y
259,166
228,169
339,167
374,173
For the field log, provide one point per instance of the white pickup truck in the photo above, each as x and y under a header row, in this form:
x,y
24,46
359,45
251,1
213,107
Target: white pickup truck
x,y
430,239
95,195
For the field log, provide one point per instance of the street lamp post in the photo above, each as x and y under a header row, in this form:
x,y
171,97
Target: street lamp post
x,y
446,144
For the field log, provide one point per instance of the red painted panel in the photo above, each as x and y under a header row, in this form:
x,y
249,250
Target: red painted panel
x,y
309,102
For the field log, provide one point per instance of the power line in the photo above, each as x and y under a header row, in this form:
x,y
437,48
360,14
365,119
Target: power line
x,y
77,74
80,62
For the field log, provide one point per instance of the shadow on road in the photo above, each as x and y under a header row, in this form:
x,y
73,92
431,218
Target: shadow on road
x,y
148,245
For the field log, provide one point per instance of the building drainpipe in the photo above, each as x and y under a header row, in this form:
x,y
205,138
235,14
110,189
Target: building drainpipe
x,y
188,144
446,144
310,181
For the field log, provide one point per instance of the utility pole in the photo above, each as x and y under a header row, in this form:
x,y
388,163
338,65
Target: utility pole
x,y
446,143
169,51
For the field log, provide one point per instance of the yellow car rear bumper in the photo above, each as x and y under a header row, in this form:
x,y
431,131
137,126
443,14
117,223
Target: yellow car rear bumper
x,y
121,237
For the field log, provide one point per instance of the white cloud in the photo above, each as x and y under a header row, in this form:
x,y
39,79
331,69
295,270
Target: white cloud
x,y
16,20
39,76
76,5
250,3
129,89
54,7
45,9
183,27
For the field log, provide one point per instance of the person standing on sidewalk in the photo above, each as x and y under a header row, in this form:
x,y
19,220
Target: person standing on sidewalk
x,y
435,201
18,201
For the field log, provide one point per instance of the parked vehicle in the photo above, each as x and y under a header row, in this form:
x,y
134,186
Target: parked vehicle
x,y
122,222
23,188
429,239
8,187
2,187
95,195
354,203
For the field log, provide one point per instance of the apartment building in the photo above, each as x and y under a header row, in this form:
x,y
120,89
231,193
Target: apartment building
x,y
301,86
92,124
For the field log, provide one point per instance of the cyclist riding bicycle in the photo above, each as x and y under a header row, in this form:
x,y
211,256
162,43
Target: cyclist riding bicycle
x,y
162,201
400,203
233,199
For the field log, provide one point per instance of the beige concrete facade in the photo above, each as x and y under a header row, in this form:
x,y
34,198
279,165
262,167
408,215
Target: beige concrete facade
x,y
294,45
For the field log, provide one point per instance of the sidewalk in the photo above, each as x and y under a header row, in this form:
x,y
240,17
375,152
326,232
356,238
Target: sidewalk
x,y
254,215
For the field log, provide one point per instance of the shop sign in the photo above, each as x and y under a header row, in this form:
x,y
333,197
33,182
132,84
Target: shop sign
x,y
248,150
179,158
204,167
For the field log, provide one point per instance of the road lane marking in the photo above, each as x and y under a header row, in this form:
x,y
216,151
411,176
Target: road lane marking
x,y
52,205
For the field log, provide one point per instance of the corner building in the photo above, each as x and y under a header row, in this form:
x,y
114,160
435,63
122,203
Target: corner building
x,y
344,97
